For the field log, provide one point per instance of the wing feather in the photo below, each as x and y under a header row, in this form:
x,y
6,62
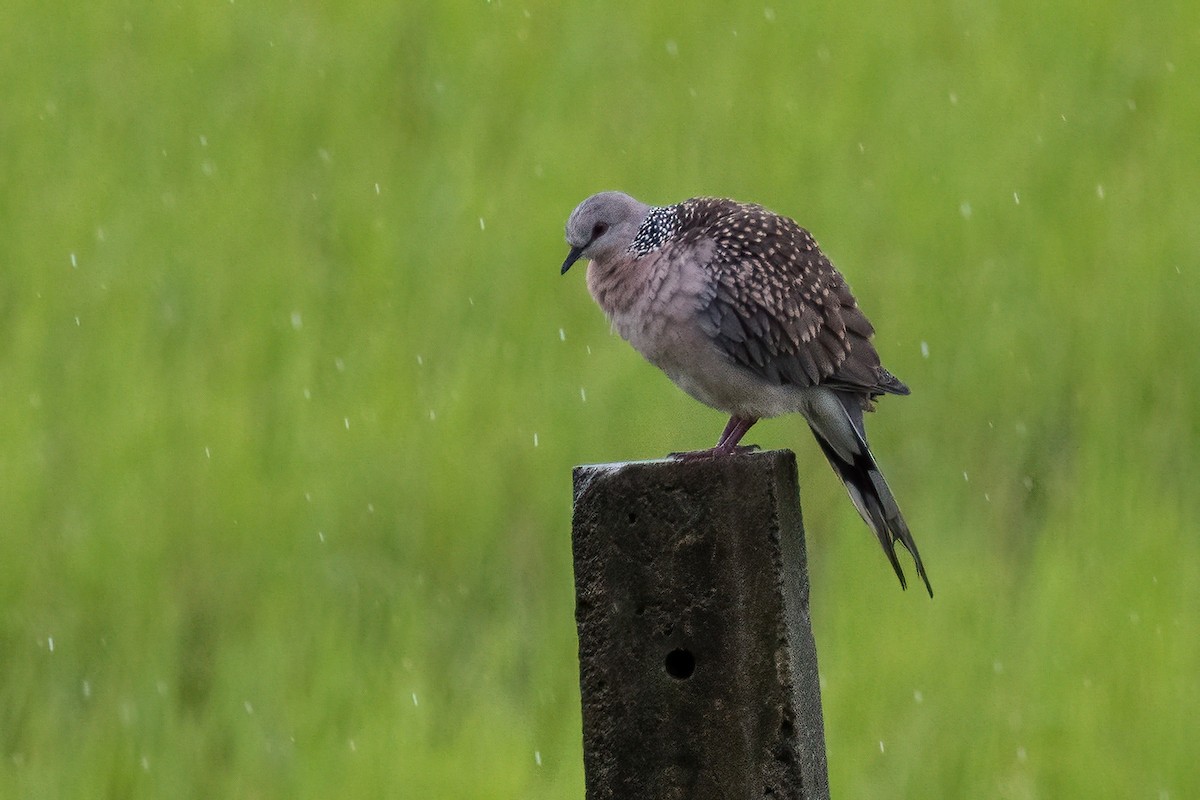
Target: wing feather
x,y
780,308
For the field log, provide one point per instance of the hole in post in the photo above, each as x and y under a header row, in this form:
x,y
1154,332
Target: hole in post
x,y
680,664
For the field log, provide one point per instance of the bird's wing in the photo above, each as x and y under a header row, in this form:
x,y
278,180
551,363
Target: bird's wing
x,y
777,306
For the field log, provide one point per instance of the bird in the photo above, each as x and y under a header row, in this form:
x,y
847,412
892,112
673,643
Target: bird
x,y
743,311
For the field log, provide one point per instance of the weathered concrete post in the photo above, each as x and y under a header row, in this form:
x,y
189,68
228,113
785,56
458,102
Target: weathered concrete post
x,y
697,663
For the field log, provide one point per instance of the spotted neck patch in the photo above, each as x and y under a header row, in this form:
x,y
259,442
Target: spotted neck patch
x,y
657,229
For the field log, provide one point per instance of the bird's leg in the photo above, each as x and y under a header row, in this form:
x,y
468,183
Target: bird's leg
x,y
729,427
727,444
734,432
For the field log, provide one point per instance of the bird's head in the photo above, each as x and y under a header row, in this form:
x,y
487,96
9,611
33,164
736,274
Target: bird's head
x,y
603,226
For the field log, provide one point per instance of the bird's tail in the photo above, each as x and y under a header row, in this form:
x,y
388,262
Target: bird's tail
x,y
867,488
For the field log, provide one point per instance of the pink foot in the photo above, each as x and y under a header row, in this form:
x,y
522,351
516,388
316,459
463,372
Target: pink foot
x,y
714,452
727,445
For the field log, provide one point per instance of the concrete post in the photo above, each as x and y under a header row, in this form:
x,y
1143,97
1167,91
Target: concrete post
x,y
698,669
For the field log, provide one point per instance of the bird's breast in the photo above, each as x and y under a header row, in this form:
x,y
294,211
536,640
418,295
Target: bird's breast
x,y
656,303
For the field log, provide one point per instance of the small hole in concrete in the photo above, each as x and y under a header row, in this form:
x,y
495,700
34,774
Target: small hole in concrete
x,y
632,517
680,664
640,609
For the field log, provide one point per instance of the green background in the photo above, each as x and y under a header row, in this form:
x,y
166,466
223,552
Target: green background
x,y
290,387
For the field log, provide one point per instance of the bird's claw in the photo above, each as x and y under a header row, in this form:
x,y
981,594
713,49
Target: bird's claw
x,y
714,452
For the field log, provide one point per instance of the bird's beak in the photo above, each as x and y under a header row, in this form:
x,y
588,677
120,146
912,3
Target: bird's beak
x,y
572,257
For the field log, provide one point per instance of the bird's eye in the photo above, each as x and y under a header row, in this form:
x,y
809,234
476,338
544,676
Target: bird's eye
x,y
598,230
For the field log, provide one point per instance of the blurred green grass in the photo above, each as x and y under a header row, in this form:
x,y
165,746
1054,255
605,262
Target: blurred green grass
x,y
292,389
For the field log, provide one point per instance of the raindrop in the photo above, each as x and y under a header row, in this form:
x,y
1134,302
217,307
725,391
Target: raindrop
x,y
535,440
370,508
953,99
246,705
377,188
1100,190
769,14
562,335
87,688
987,498
207,452
50,643
582,394
321,537
589,347
414,697
1022,756
307,393
339,365
420,361
297,321
203,140
537,757
918,697
432,415
881,745
672,48
1132,104
471,301
964,208
353,747
74,262
77,322
346,422
1016,198
924,349
482,226
145,764
965,478
997,667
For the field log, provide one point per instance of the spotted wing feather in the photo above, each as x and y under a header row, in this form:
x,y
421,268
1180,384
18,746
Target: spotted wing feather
x,y
778,306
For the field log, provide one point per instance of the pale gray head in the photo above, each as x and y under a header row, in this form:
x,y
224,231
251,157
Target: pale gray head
x,y
603,226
